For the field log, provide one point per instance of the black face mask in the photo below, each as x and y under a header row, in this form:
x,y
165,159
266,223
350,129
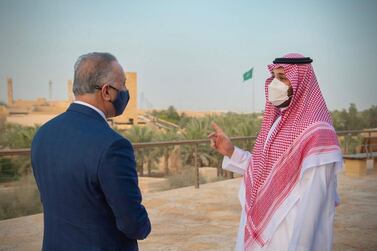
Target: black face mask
x,y
121,101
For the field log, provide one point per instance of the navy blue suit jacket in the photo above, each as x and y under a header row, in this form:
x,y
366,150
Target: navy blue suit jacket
x,y
87,179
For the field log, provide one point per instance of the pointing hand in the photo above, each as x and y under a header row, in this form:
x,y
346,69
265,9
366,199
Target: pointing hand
x,y
220,141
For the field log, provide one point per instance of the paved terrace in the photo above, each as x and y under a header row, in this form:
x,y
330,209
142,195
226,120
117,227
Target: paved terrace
x,y
207,219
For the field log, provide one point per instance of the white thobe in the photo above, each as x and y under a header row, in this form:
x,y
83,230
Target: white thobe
x,y
308,224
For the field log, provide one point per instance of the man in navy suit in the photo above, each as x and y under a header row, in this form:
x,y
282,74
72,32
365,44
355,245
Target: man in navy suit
x,y
85,171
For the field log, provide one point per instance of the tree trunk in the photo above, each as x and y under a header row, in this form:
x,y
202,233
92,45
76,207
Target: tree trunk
x,y
141,169
149,167
219,169
166,163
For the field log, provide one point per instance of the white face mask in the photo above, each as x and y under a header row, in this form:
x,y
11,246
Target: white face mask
x,y
277,92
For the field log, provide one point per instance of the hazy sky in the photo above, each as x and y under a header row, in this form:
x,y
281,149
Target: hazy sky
x,y
192,54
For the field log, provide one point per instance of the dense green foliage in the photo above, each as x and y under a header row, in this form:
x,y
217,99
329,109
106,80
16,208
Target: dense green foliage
x,y
16,136
14,169
352,119
170,115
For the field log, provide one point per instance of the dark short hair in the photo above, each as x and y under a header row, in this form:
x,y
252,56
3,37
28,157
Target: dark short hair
x,y
92,70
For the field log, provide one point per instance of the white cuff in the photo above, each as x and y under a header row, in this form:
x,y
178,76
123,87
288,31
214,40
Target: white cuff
x,y
238,155
238,162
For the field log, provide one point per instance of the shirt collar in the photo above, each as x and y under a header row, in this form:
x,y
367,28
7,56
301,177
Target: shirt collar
x,y
91,106
281,111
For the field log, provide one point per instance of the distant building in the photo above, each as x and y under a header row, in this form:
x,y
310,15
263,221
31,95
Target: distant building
x,y
54,107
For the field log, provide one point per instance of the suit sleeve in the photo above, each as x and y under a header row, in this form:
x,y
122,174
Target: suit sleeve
x,y
118,178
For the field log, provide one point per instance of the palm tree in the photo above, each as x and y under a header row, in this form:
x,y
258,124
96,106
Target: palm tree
x,y
16,136
167,135
138,134
198,129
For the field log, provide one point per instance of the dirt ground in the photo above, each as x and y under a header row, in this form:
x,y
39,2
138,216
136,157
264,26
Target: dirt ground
x,y
207,218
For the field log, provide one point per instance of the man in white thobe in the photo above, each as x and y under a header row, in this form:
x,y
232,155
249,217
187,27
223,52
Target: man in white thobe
x,y
288,194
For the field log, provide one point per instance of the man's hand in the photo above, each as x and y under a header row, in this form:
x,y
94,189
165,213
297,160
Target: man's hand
x,y
221,142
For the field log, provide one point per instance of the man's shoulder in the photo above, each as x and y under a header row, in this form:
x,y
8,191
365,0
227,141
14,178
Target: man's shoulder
x,y
81,125
119,140
46,127
110,137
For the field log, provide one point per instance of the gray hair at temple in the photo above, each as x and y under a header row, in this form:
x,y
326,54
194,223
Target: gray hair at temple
x,y
93,70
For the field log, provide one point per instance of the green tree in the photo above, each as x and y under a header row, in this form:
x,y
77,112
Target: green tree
x,y
339,119
239,125
184,120
354,120
198,129
15,136
139,134
370,117
167,135
170,115
350,119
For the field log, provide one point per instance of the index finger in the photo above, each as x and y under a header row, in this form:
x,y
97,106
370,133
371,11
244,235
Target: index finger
x,y
216,127
212,135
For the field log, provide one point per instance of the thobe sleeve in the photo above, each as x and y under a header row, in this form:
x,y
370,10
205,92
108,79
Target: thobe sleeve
x,y
315,213
238,162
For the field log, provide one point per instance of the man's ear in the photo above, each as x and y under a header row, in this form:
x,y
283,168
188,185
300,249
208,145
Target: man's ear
x,y
105,92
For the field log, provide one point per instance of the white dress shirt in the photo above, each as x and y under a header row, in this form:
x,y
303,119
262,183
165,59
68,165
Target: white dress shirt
x,y
308,224
91,106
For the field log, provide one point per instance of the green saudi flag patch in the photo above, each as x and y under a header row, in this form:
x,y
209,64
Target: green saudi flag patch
x,y
248,75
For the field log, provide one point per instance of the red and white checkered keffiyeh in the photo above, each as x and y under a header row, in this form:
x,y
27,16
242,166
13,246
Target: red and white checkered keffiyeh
x,y
305,130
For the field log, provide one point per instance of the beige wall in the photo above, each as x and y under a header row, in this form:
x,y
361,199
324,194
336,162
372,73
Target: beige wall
x,y
42,106
70,91
355,167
